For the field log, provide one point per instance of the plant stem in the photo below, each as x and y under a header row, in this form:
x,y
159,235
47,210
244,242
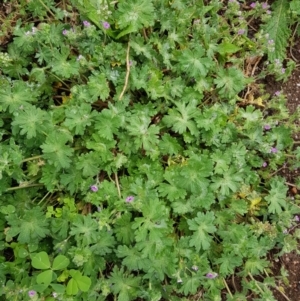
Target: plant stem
x,y
25,186
127,71
228,289
256,284
31,158
47,9
44,197
118,185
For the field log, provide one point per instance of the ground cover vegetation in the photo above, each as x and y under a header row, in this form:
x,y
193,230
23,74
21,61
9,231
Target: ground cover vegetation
x,y
140,156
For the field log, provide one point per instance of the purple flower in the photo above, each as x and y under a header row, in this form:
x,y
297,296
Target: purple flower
x,y
211,275
253,5
297,219
86,23
265,164
64,32
282,70
106,25
265,5
277,93
241,31
94,188
129,199
31,294
273,150
267,127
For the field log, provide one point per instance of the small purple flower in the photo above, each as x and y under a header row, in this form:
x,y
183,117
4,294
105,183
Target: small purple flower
x,y
211,275
129,199
86,23
270,42
253,5
106,25
265,5
64,32
265,164
274,150
267,127
241,31
268,12
282,70
94,188
31,294
297,219
277,93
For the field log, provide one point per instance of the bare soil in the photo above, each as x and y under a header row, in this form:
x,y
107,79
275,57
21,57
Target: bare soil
x,y
290,262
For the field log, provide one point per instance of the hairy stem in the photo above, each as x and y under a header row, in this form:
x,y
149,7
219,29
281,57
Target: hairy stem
x,y
127,71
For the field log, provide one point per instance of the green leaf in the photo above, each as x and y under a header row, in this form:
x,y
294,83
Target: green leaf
x,y
97,87
202,226
108,123
123,230
190,285
194,63
135,14
31,227
61,66
181,119
72,287
227,48
278,29
59,288
277,196
84,228
145,135
295,6
230,181
31,121
41,261
60,262
228,262
83,283
22,253
44,277
16,96
126,286
89,164
230,82
78,118
56,152
131,28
